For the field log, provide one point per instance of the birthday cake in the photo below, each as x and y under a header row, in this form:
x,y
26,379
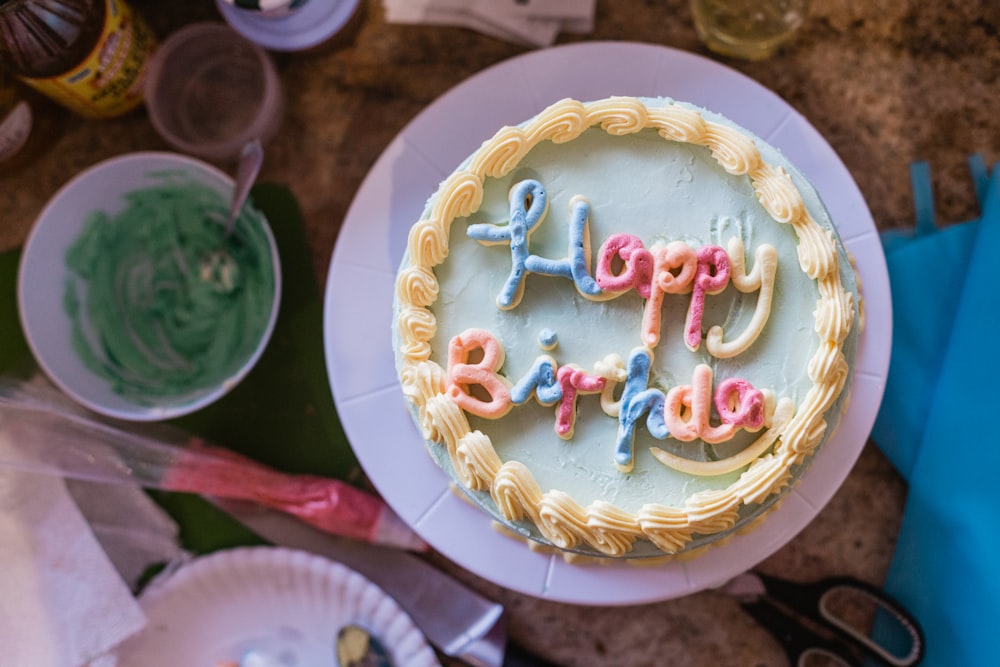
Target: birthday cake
x,y
624,327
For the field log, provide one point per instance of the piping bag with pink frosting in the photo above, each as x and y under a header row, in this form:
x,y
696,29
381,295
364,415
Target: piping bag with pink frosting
x,y
49,435
328,504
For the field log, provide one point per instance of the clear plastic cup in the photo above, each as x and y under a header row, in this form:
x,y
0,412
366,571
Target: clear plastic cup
x,y
209,91
747,29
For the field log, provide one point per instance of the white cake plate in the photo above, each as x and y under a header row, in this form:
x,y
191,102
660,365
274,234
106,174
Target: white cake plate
x,y
359,295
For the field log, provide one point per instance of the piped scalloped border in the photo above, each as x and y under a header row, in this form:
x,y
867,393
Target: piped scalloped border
x,y
604,527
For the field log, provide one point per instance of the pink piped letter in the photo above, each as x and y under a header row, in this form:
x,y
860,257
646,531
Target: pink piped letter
x,y
464,376
711,277
637,272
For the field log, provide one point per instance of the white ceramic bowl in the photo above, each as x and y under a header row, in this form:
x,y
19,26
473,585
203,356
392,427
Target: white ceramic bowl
x,y
43,277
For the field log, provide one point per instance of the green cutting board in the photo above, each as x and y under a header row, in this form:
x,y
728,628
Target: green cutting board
x,y
281,414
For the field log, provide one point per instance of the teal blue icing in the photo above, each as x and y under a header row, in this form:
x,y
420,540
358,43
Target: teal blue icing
x,y
162,302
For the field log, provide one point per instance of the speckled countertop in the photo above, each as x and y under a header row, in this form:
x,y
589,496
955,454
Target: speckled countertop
x,y
885,82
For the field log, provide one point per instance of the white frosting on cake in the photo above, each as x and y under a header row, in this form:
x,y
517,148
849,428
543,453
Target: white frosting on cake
x,y
659,190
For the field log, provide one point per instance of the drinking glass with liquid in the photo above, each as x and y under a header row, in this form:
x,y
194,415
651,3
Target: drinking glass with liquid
x,y
747,29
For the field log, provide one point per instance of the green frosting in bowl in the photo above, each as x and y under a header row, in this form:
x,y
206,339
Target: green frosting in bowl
x,y
163,304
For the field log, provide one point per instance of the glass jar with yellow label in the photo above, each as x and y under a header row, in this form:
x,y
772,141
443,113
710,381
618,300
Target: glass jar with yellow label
x,y
88,55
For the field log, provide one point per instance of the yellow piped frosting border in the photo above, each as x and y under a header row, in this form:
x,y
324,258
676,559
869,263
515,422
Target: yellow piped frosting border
x,y
601,526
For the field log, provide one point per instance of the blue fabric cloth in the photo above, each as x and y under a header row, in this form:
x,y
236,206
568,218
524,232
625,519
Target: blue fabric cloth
x,y
935,425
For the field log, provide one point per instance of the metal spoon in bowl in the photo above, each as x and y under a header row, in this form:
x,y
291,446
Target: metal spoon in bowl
x,y
217,267
251,158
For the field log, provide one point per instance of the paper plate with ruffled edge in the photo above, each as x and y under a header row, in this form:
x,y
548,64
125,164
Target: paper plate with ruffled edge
x,y
283,603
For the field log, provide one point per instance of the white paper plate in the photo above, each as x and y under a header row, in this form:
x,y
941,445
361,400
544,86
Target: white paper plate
x,y
359,293
286,603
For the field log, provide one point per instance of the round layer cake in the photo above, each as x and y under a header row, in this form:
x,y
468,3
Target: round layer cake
x,y
625,326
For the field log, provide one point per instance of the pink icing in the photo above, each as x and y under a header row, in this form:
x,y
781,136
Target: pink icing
x,y
711,277
694,401
329,504
637,272
687,409
676,256
749,412
573,381
463,376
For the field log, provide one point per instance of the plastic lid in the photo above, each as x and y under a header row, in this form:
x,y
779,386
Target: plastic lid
x,y
302,28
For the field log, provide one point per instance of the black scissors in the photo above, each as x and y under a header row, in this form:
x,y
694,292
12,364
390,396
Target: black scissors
x,y
802,618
